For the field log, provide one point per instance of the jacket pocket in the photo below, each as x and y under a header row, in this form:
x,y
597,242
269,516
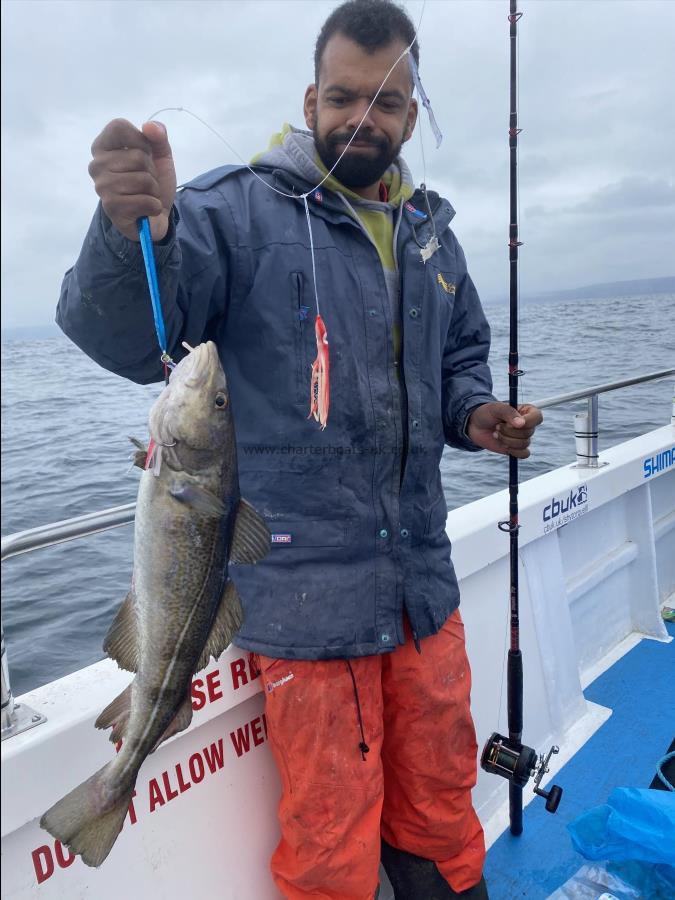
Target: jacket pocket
x,y
302,493
437,518
303,332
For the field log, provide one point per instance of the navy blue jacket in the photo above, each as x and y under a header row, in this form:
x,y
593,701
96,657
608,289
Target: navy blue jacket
x,y
359,507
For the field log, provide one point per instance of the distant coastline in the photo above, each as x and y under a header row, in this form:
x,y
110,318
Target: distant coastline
x,y
31,332
639,287
608,289
615,289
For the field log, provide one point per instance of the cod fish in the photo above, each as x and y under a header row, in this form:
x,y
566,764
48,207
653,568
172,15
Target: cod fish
x,y
181,609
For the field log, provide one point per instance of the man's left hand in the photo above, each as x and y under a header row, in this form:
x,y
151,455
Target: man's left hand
x,y
501,428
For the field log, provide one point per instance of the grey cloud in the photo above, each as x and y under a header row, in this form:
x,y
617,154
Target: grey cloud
x,y
595,80
630,193
628,196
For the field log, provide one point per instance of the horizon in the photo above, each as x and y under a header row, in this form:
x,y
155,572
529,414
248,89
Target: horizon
x,y
539,297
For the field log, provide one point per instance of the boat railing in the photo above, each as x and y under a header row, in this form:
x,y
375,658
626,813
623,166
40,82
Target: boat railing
x,y
17,718
586,424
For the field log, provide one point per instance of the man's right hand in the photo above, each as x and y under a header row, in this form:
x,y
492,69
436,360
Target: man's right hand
x,y
134,176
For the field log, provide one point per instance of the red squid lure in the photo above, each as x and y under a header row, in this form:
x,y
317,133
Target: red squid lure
x,y
319,391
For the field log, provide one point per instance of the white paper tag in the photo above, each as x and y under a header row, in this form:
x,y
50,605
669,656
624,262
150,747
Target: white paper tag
x,y
432,246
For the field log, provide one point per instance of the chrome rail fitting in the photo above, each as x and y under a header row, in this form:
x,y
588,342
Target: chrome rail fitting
x,y
18,717
586,424
586,435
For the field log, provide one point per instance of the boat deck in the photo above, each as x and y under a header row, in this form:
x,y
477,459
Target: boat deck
x,y
622,753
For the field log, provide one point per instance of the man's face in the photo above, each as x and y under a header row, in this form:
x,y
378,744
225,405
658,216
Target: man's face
x,y
348,81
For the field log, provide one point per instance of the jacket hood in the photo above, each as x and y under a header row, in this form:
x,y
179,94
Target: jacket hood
x,y
293,151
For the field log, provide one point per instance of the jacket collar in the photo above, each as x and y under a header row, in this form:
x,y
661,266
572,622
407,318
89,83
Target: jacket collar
x,y
327,204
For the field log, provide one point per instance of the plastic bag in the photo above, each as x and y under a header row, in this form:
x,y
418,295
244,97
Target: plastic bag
x,y
634,824
619,881
592,882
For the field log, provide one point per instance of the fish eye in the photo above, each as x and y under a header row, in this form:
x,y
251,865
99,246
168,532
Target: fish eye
x,y
221,399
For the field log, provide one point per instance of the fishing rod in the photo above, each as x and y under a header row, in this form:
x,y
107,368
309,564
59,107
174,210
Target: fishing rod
x,y
509,757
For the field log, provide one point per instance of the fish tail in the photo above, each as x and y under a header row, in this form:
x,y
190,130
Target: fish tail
x,y
86,822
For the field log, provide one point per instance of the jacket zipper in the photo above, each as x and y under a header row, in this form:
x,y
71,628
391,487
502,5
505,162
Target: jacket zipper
x,y
300,313
406,440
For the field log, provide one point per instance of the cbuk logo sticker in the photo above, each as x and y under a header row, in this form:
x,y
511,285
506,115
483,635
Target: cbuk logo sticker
x,y
562,510
659,463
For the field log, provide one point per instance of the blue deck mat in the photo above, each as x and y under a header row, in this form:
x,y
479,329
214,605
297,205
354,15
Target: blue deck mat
x,y
622,753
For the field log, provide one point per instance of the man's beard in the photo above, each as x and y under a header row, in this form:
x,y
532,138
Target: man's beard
x,y
355,169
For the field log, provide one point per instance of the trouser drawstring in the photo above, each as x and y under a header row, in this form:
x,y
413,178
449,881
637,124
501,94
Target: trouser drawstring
x,y
363,747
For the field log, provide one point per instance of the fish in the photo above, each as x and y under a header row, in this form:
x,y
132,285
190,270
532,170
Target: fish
x,y
183,608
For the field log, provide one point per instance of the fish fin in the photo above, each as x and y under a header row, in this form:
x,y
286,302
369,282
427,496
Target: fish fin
x,y
179,722
140,456
201,500
116,714
228,619
251,536
82,823
121,641
119,730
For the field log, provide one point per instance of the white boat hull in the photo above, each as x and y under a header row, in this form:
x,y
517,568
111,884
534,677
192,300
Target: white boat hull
x,y
597,561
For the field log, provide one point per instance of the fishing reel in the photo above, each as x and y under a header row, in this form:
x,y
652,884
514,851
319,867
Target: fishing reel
x,y
517,763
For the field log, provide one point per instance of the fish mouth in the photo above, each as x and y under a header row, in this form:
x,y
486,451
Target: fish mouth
x,y
172,417
195,368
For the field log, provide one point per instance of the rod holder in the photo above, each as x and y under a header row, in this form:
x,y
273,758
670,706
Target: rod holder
x,y
586,435
7,698
16,717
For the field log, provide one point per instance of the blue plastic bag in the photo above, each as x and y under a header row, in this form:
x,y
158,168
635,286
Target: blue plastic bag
x,y
634,824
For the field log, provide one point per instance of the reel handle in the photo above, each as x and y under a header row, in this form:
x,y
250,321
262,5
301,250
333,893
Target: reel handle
x,y
553,797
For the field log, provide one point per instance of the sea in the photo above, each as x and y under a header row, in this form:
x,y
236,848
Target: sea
x,y
65,452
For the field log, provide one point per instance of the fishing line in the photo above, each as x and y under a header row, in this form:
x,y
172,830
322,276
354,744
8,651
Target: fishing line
x,y
293,196
660,774
424,160
433,243
321,365
311,247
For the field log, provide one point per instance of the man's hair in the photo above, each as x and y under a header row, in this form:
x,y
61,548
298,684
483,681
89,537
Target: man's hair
x,y
372,24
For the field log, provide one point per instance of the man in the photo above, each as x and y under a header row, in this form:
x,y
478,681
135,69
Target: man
x,y
354,613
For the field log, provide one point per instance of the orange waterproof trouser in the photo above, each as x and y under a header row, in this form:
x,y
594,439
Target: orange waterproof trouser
x,y
414,786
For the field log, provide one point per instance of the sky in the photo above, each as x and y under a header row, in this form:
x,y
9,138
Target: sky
x,y
597,108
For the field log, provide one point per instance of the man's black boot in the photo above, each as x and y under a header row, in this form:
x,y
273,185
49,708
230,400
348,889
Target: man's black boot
x,y
415,878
